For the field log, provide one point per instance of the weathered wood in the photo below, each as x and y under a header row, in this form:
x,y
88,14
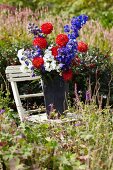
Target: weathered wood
x,y
20,109
23,79
14,75
31,95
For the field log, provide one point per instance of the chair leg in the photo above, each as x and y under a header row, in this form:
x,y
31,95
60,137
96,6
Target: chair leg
x,y
17,100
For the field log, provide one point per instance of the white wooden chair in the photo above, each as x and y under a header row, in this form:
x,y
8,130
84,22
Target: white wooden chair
x,y
14,75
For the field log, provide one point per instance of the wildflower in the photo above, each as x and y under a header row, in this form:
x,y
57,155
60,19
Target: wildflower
x,y
88,95
2,111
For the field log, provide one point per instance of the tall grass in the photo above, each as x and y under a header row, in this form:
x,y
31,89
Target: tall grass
x,y
13,27
95,35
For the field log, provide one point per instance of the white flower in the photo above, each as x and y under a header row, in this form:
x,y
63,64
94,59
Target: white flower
x,y
20,53
49,61
23,59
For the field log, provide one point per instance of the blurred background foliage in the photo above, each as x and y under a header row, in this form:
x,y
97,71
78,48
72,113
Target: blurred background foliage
x,y
96,9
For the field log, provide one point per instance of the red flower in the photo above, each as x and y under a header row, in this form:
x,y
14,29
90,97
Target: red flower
x,y
82,47
62,40
41,42
76,61
47,28
38,62
54,51
92,65
67,75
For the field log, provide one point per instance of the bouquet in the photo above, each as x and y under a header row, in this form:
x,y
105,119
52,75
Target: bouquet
x,y
45,58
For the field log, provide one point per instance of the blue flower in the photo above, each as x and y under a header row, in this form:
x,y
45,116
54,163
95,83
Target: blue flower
x,y
66,28
27,63
73,35
78,22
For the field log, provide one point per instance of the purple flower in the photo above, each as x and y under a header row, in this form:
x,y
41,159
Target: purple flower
x,y
27,63
33,75
50,107
66,28
2,111
34,29
78,124
88,95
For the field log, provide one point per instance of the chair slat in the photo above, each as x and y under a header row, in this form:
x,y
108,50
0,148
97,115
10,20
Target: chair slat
x,y
31,95
19,75
15,69
23,79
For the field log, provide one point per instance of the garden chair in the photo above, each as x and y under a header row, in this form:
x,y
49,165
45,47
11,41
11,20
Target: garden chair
x,y
14,75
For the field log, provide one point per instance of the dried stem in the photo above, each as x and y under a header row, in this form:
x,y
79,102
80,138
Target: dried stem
x,y
109,90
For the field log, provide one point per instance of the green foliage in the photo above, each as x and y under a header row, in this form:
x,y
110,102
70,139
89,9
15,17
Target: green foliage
x,y
87,143
93,70
4,100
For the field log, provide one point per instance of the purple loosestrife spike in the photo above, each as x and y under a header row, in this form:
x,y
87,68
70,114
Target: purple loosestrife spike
x,y
2,111
88,95
76,94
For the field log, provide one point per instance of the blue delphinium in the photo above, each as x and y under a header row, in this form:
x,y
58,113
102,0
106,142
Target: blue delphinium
x,y
73,35
78,22
70,50
66,28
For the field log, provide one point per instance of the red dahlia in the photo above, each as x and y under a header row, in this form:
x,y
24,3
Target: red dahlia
x,y
82,47
62,40
47,28
41,42
67,75
38,62
54,51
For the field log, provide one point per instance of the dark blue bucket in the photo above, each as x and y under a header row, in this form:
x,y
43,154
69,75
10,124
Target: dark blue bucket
x,y
55,94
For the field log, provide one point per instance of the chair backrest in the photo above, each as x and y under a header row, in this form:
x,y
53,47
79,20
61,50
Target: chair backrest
x,y
14,73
